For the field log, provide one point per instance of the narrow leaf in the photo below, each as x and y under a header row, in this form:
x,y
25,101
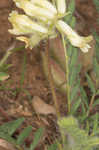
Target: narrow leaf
x,y
74,92
96,132
72,22
95,123
75,106
7,138
71,6
52,147
37,138
73,60
83,108
71,9
24,134
84,97
96,68
74,74
10,127
87,127
90,84
97,92
96,102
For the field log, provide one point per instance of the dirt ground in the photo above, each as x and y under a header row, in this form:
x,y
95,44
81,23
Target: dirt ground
x,y
14,102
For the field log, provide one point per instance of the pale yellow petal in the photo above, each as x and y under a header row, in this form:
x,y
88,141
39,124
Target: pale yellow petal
x,y
45,4
61,6
22,24
74,38
33,10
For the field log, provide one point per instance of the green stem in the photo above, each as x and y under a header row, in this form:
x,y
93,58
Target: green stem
x,y
91,103
67,74
3,60
8,53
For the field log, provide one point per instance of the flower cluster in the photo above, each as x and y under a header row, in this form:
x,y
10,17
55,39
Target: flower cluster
x,y
42,20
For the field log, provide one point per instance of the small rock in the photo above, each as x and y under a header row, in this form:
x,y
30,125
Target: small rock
x,y
41,107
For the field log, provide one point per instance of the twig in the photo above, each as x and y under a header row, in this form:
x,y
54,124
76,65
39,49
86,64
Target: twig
x,y
91,103
8,53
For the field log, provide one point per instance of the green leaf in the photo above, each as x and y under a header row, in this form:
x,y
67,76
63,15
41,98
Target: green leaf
x,y
90,84
73,60
83,109
5,67
73,75
52,147
75,106
7,138
3,76
36,139
95,123
71,6
24,134
93,141
72,22
96,37
74,92
96,102
96,2
87,127
96,68
84,97
78,139
71,9
69,49
96,132
10,127
97,92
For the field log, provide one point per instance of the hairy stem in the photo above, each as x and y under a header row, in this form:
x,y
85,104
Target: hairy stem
x,y
50,78
67,74
91,103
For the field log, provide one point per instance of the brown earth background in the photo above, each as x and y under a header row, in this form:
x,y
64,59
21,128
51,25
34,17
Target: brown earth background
x,y
14,104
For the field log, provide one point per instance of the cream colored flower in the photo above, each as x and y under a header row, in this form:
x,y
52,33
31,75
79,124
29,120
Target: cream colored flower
x,y
24,25
74,38
46,20
45,4
33,10
61,6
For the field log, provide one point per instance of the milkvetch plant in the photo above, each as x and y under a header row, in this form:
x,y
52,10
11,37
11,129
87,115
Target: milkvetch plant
x,y
42,20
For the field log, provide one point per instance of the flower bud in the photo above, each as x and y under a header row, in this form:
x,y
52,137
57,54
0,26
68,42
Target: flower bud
x,y
24,25
61,6
33,10
74,38
31,41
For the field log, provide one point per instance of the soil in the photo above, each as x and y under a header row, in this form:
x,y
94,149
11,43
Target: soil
x,y
16,92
